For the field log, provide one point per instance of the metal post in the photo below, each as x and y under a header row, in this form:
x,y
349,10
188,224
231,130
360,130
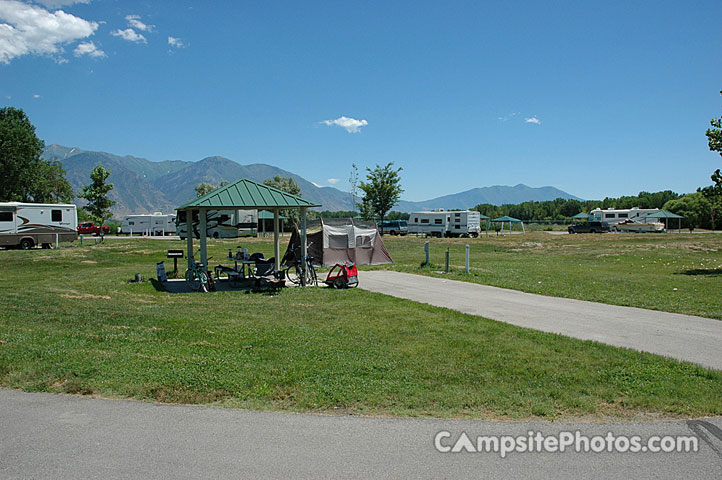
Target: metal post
x,y
189,236
202,214
81,239
304,247
467,259
57,241
447,260
276,241
426,250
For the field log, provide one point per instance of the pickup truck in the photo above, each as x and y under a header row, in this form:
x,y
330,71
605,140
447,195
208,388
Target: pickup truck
x,y
89,228
590,227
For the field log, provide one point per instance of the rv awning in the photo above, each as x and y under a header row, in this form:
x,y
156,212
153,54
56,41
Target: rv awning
x,y
243,194
581,216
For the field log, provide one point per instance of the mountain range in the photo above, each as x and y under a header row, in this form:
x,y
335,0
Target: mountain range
x,y
143,186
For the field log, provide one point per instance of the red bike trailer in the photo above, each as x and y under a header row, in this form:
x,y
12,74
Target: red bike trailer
x,y
342,276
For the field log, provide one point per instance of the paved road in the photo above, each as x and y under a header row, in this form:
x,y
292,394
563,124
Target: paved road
x,y
685,337
64,437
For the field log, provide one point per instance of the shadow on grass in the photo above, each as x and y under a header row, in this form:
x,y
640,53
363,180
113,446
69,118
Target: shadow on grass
x,y
702,271
158,285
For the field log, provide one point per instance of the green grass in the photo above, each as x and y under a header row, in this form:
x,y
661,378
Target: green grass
x,y
71,322
668,272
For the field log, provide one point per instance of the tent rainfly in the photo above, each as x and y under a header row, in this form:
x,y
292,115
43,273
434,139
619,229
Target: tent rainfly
x,y
509,219
243,194
664,214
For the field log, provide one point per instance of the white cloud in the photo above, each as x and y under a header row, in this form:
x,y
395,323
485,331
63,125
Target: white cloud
x,y
533,120
135,22
29,29
89,49
350,124
130,35
35,95
333,181
176,42
508,117
60,3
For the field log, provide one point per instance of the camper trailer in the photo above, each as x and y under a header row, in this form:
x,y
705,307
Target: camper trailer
x,y
613,216
442,223
221,223
26,225
464,223
431,224
146,224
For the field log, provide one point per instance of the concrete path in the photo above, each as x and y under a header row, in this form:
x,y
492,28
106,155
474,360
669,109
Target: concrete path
x,y
685,337
65,437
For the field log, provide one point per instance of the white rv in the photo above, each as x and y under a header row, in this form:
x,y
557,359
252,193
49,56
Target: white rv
x,y
464,223
26,225
613,216
221,223
146,224
431,224
442,223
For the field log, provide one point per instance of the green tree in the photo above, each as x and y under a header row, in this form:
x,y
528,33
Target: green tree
x,y
694,207
204,188
288,185
26,177
382,191
96,194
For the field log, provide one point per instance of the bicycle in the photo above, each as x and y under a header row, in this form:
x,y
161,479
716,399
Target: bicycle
x,y
294,272
197,278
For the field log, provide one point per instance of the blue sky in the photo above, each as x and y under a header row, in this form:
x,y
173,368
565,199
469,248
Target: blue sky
x,y
596,98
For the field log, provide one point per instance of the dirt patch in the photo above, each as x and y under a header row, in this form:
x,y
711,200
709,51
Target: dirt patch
x,y
84,296
89,262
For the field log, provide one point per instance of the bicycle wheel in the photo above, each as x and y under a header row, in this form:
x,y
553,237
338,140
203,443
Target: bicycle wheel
x,y
192,279
293,274
311,277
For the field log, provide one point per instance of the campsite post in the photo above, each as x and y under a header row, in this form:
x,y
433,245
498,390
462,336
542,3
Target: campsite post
x,y
467,259
447,260
304,246
426,250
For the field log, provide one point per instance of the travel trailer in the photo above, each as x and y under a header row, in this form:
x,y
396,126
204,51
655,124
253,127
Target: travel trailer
x,y
221,223
146,224
613,216
466,223
441,223
27,225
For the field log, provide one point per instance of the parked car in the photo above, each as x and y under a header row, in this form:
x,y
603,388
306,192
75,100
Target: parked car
x,y
89,228
394,227
589,227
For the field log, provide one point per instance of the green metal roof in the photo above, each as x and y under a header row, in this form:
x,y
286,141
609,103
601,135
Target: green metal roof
x,y
246,193
663,214
506,218
266,215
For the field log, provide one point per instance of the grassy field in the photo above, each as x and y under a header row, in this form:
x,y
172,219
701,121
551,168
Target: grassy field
x,y
70,321
670,272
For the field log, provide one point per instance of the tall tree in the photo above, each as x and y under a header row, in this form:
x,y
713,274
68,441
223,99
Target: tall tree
x,y
382,191
25,176
205,188
288,185
97,195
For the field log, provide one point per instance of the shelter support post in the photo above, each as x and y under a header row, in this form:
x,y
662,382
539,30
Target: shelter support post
x,y
304,246
202,213
522,228
276,241
189,236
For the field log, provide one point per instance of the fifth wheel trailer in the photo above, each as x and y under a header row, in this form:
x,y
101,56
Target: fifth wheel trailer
x,y
147,224
26,225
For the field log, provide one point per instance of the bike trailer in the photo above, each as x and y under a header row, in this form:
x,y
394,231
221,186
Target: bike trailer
x,y
342,276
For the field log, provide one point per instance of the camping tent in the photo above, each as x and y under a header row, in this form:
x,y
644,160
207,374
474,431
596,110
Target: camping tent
x,y
511,220
340,240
